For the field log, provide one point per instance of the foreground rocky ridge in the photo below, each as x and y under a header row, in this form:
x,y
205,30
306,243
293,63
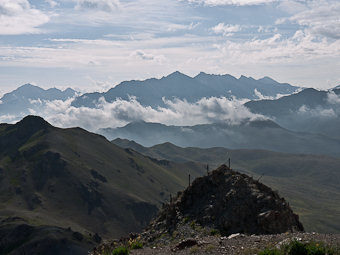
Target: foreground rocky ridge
x,y
226,202
223,203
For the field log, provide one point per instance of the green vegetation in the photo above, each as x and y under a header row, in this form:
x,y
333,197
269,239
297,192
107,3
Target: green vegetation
x,y
38,160
299,248
193,225
135,244
186,219
269,252
214,232
194,250
120,251
174,234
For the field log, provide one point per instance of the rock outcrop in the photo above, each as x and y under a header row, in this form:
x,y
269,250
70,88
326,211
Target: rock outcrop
x,y
227,202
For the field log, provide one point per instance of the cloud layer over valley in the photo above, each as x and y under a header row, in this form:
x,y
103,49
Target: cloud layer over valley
x,y
121,112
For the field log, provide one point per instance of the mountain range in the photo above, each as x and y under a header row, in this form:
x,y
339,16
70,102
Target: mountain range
x,y
28,96
260,134
152,92
302,122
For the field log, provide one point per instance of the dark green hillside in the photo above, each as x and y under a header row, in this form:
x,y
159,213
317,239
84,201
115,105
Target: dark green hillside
x,y
311,183
73,178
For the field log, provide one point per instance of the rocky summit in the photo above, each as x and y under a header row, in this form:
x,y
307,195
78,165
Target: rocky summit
x,y
225,202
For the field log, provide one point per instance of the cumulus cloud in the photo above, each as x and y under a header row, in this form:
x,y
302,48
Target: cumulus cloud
x,y
19,17
231,2
8,118
121,112
320,17
333,98
102,5
318,112
226,30
277,49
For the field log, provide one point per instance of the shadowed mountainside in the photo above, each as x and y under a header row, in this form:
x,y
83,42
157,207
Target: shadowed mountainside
x,y
73,178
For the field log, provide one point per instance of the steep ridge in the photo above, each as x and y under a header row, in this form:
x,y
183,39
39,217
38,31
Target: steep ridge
x,y
226,201
73,178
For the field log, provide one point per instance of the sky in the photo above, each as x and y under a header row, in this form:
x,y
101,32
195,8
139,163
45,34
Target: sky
x,y
92,45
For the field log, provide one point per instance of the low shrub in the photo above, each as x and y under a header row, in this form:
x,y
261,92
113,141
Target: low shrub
x,y
270,252
120,251
136,245
298,248
214,232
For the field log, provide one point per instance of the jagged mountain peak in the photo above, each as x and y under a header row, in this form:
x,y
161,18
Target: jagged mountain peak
x,y
177,75
267,80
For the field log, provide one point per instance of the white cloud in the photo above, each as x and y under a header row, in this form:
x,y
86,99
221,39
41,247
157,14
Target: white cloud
x,y
226,30
51,3
333,98
102,5
301,47
231,2
18,17
176,27
121,112
263,97
36,102
144,56
320,17
7,118
318,112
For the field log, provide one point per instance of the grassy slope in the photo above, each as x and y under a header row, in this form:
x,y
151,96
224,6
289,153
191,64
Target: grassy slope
x,y
64,190
310,182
